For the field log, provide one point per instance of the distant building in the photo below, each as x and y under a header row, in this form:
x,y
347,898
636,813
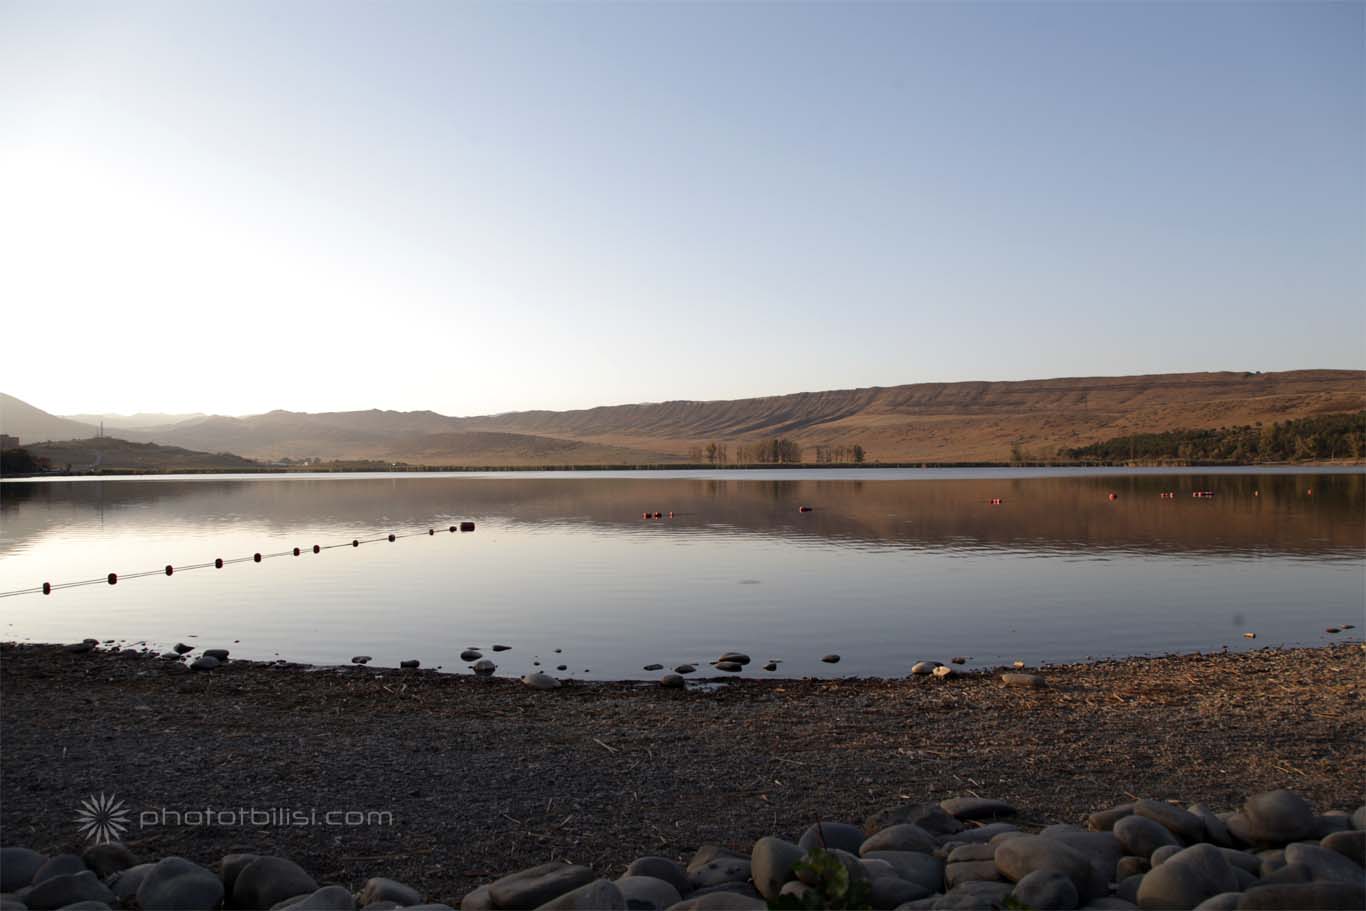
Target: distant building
x,y
8,442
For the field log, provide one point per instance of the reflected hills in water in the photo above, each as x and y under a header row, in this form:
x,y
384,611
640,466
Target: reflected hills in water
x,y
1310,515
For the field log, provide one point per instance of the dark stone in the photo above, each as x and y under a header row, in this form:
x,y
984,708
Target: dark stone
x,y
220,653
328,898
378,888
1104,820
534,886
929,816
230,866
1351,845
903,837
17,866
67,889
832,835
647,893
660,868
61,865
1141,836
1324,864
1046,889
107,859
1187,878
1185,825
1279,817
1305,897
1017,857
267,881
176,884
771,862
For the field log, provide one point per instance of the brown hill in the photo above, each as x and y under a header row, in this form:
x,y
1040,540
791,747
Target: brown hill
x,y
20,419
112,455
933,422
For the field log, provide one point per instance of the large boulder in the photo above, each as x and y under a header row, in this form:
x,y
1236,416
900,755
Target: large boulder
x,y
671,871
599,895
60,865
912,866
1351,844
125,883
1185,825
1215,830
647,893
67,889
1046,889
1187,878
107,859
176,884
929,816
1279,817
1324,864
1017,857
902,837
267,881
534,886
1141,836
832,836
17,866
771,862
1104,820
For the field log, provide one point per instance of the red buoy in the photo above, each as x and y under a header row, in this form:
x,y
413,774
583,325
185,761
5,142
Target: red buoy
x,y
671,514
803,509
217,562
113,578
47,588
391,539
317,549
169,569
644,515
1114,496
256,557
659,515
296,551
996,501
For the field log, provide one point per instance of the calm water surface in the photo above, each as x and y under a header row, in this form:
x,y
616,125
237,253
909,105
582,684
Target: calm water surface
x,y
888,568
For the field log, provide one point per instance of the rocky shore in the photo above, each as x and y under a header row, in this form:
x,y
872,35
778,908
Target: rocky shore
x,y
701,796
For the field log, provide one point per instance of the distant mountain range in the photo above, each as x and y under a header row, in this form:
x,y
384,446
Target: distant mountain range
x,y
938,422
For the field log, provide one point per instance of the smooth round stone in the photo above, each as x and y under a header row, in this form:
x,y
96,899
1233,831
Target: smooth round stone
x,y
478,900
410,663
538,680
328,898
1224,901
1162,854
1187,878
902,837
1017,857
471,654
59,865
502,648
653,667
1351,845
1215,830
561,667
721,901
922,869
893,892
832,836
1359,818
107,859
1305,897
929,816
1141,836
125,883
204,663
599,895
1324,864
831,659
771,862
943,672
534,886
977,808
1024,680
721,869
685,669
771,666
671,871
673,681
647,893
1131,866
1104,820
924,668
220,653
730,667
736,657
266,881
68,889
484,667
1279,816
1183,824
1046,889
181,648
378,888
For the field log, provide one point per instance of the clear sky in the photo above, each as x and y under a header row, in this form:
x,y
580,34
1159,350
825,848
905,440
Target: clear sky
x,y
234,207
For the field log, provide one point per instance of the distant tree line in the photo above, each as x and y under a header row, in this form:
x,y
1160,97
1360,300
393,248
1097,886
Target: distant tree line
x,y
21,461
774,451
1324,437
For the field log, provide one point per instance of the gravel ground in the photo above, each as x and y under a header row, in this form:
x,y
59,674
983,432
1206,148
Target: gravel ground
x,y
483,777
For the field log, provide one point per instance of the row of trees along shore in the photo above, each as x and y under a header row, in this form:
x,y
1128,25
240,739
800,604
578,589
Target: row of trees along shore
x,y
775,451
1321,438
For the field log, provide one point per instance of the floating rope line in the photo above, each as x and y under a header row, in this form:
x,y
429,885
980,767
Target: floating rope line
x,y
48,588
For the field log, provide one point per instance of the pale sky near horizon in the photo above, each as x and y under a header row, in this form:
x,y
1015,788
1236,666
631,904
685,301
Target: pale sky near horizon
x,y
481,207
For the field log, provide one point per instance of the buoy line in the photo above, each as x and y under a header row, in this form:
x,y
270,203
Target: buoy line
x,y
48,588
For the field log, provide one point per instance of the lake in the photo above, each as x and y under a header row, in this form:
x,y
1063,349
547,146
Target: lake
x,y
887,567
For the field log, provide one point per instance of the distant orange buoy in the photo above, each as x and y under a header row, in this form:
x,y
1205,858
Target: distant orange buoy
x,y
169,569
